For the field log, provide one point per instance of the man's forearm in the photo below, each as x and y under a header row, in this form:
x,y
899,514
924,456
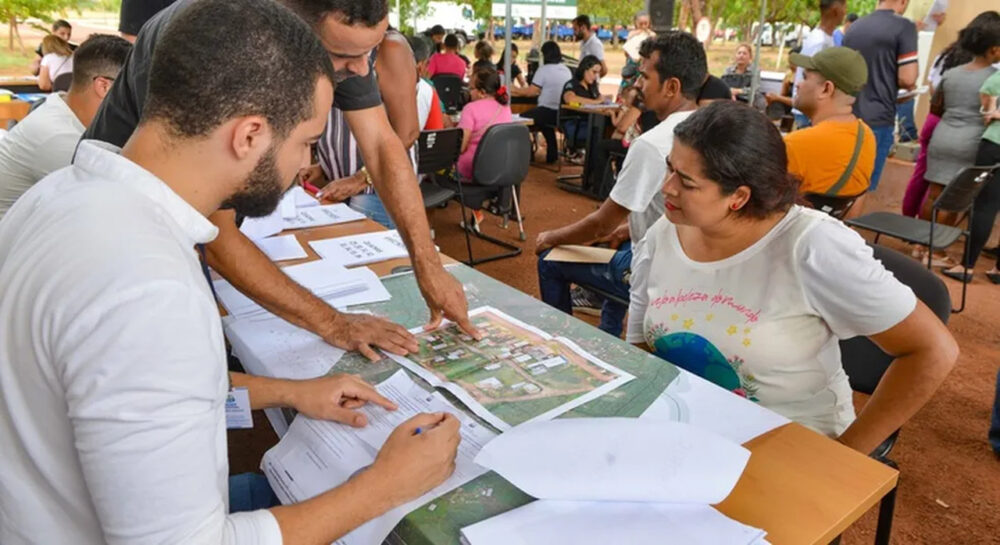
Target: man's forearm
x,y
396,185
333,514
265,393
592,227
238,260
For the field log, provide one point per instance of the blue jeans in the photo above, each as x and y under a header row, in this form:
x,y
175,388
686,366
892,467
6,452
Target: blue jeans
x,y
370,205
554,278
802,121
250,492
995,421
907,122
884,140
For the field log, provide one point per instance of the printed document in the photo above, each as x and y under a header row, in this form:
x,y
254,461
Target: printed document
x,y
315,456
361,249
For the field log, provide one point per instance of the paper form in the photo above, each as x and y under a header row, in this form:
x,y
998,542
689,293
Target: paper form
x,y
318,216
617,459
361,249
546,522
580,254
315,456
693,400
278,349
281,248
324,278
258,228
302,197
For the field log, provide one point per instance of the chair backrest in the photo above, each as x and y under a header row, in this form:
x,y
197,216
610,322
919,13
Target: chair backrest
x,y
959,195
62,82
864,362
449,89
834,205
503,155
437,150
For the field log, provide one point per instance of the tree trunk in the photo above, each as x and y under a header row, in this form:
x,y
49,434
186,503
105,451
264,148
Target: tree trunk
x,y
11,24
17,34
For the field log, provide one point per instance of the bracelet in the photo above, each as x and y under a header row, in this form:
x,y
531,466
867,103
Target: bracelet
x,y
368,177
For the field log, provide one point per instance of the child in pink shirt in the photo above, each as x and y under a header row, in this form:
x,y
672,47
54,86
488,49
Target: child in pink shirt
x,y
489,106
448,62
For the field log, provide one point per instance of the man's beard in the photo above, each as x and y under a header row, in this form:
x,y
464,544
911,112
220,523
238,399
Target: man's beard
x,y
340,75
262,191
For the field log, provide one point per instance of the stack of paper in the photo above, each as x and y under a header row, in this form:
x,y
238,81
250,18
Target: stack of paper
x,y
298,210
316,456
281,248
629,481
318,216
327,280
361,249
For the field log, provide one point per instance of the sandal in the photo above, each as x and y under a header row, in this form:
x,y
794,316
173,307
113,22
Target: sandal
x,y
965,277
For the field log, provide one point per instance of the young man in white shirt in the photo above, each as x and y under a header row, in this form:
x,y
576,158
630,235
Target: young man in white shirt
x,y
672,69
113,375
590,44
832,13
45,140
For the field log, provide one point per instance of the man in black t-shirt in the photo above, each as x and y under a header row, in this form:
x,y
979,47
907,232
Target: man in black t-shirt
x,y
135,13
349,29
888,42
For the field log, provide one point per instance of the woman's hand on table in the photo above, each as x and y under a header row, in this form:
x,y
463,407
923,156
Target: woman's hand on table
x,y
335,398
364,333
342,189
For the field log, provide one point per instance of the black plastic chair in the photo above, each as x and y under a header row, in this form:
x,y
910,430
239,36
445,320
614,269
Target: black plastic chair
x,y
449,90
437,151
836,206
865,363
62,82
500,165
957,198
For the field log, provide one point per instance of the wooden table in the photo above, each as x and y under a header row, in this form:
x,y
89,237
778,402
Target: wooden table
x,y
801,487
15,110
20,84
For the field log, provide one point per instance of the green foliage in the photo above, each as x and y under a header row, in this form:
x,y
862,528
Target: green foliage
x,y
617,12
16,11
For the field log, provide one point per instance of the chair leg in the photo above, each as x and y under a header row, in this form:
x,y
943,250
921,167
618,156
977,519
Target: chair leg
x,y
886,510
517,214
465,225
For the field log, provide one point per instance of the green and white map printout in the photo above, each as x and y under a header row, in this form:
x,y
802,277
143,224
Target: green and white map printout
x,y
515,374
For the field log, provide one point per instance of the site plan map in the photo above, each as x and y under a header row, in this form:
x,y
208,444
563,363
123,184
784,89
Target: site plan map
x,y
515,373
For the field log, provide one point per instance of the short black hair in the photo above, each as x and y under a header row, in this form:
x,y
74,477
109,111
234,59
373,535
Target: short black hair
x,y
486,78
681,56
421,48
204,74
99,55
714,89
351,12
551,54
739,146
851,17
981,34
436,30
484,50
61,23
827,4
451,41
582,20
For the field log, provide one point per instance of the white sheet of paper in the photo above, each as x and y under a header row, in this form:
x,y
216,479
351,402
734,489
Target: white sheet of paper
x,y
318,216
617,459
324,278
287,206
258,228
361,249
314,457
276,348
281,248
302,198
600,523
476,407
693,400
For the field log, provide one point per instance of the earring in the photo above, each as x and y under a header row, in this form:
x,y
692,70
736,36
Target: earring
x,y
734,207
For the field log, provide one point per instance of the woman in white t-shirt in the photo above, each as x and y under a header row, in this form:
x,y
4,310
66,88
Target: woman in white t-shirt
x,y
744,288
57,59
